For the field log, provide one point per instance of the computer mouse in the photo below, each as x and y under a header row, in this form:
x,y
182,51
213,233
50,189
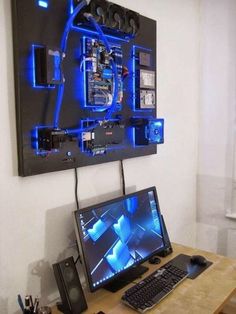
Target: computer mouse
x,y
198,260
154,260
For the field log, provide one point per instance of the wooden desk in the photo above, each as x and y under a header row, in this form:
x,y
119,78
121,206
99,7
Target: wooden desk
x,y
207,294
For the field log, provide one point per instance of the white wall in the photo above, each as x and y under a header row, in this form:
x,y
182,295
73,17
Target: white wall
x,y
35,212
216,126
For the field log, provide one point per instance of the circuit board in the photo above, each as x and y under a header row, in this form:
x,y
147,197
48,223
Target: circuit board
x,y
99,75
93,102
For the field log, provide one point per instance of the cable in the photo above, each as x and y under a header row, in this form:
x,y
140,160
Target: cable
x,y
122,176
64,41
115,91
78,259
79,256
86,129
60,93
91,19
76,189
69,23
77,206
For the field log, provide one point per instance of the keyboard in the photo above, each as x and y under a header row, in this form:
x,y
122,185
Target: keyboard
x,y
150,291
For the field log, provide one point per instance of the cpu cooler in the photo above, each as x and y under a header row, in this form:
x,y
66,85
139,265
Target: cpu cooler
x,y
148,131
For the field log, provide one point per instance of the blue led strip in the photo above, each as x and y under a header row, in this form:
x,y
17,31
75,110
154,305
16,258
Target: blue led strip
x,y
43,4
84,74
135,47
93,32
64,41
71,6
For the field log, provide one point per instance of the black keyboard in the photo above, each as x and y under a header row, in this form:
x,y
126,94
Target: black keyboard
x,y
150,291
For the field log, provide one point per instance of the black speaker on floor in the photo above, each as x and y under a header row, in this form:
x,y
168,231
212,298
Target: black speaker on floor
x,y
69,286
168,248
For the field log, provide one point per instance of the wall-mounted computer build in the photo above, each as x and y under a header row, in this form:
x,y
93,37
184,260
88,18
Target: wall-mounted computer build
x,y
85,78
115,237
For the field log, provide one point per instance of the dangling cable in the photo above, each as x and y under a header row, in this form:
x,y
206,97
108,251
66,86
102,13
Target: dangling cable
x,y
122,176
76,189
64,41
77,207
91,19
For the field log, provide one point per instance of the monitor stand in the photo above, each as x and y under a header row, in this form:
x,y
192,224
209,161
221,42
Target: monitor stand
x,y
126,278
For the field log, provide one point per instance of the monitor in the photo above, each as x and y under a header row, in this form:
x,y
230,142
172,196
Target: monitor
x,y
119,234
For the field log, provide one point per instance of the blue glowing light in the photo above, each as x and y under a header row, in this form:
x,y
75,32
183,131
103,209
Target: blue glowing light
x,y
43,4
93,32
134,78
71,7
156,131
132,204
142,48
84,69
131,135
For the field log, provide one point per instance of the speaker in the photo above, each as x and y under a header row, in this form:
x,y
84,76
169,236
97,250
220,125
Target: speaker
x,y
132,22
69,286
168,248
116,18
99,10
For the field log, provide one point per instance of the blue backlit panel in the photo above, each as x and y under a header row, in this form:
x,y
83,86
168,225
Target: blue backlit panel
x,y
155,131
137,93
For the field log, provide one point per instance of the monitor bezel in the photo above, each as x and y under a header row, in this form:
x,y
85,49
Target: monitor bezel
x,y
79,236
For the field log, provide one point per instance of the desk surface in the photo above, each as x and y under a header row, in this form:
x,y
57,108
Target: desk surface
x,y
207,294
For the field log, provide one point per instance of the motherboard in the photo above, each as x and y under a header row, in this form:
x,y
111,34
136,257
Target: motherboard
x,y
99,75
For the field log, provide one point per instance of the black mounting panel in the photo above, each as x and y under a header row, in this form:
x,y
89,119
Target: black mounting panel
x,y
37,26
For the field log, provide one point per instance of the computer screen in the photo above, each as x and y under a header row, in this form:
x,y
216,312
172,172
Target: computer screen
x,y
118,234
